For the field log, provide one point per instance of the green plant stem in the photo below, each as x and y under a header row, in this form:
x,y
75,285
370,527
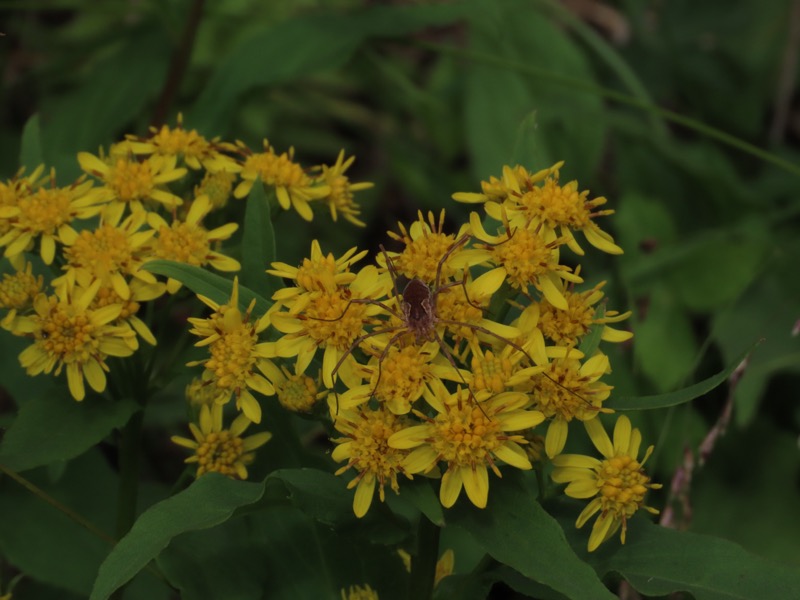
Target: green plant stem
x,y
423,565
130,441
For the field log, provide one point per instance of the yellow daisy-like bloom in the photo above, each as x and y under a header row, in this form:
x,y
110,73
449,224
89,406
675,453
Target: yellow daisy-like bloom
x,y
47,214
340,199
217,186
189,242
297,393
221,450
109,254
200,392
398,375
319,273
538,198
67,332
15,189
469,438
140,292
186,145
294,188
235,353
330,320
365,448
617,484
130,182
426,245
564,390
460,310
527,257
17,292
566,327
359,592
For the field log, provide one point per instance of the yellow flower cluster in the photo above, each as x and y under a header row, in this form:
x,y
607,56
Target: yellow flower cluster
x,y
443,357
142,199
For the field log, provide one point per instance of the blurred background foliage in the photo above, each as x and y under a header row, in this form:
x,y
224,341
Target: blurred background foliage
x,y
432,98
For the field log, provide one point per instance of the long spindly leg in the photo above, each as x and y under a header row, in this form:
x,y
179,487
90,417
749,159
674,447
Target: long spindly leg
x,y
456,245
516,346
452,360
352,301
385,352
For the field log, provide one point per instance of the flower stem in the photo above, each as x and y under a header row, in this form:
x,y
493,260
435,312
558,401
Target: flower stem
x,y
423,566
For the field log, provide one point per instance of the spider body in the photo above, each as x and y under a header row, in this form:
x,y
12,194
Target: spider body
x,y
419,310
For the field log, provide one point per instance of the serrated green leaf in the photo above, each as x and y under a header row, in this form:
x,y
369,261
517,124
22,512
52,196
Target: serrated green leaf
x,y
516,531
208,284
686,394
55,427
258,243
30,154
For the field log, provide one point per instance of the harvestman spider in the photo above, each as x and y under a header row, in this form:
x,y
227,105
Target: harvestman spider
x,y
419,318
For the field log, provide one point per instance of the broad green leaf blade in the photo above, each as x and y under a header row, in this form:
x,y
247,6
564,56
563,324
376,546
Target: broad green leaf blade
x,y
658,561
258,243
212,500
209,501
30,154
208,284
54,427
516,531
420,493
318,42
49,547
679,397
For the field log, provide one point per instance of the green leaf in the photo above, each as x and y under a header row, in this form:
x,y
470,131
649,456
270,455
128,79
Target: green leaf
x,y
51,548
659,561
212,500
30,154
55,427
420,493
208,284
258,243
318,42
516,531
209,501
686,394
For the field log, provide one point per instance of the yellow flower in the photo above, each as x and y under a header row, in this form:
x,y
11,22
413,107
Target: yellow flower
x,y
398,375
140,292
539,199
109,254
189,242
17,292
298,392
565,389
365,448
232,341
186,145
468,437
359,592
617,484
331,321
200,392
526,257
130,182
293,187
221,450
47,213
15,189
426,245
340,197
567,326
217,186
67,332
319,273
